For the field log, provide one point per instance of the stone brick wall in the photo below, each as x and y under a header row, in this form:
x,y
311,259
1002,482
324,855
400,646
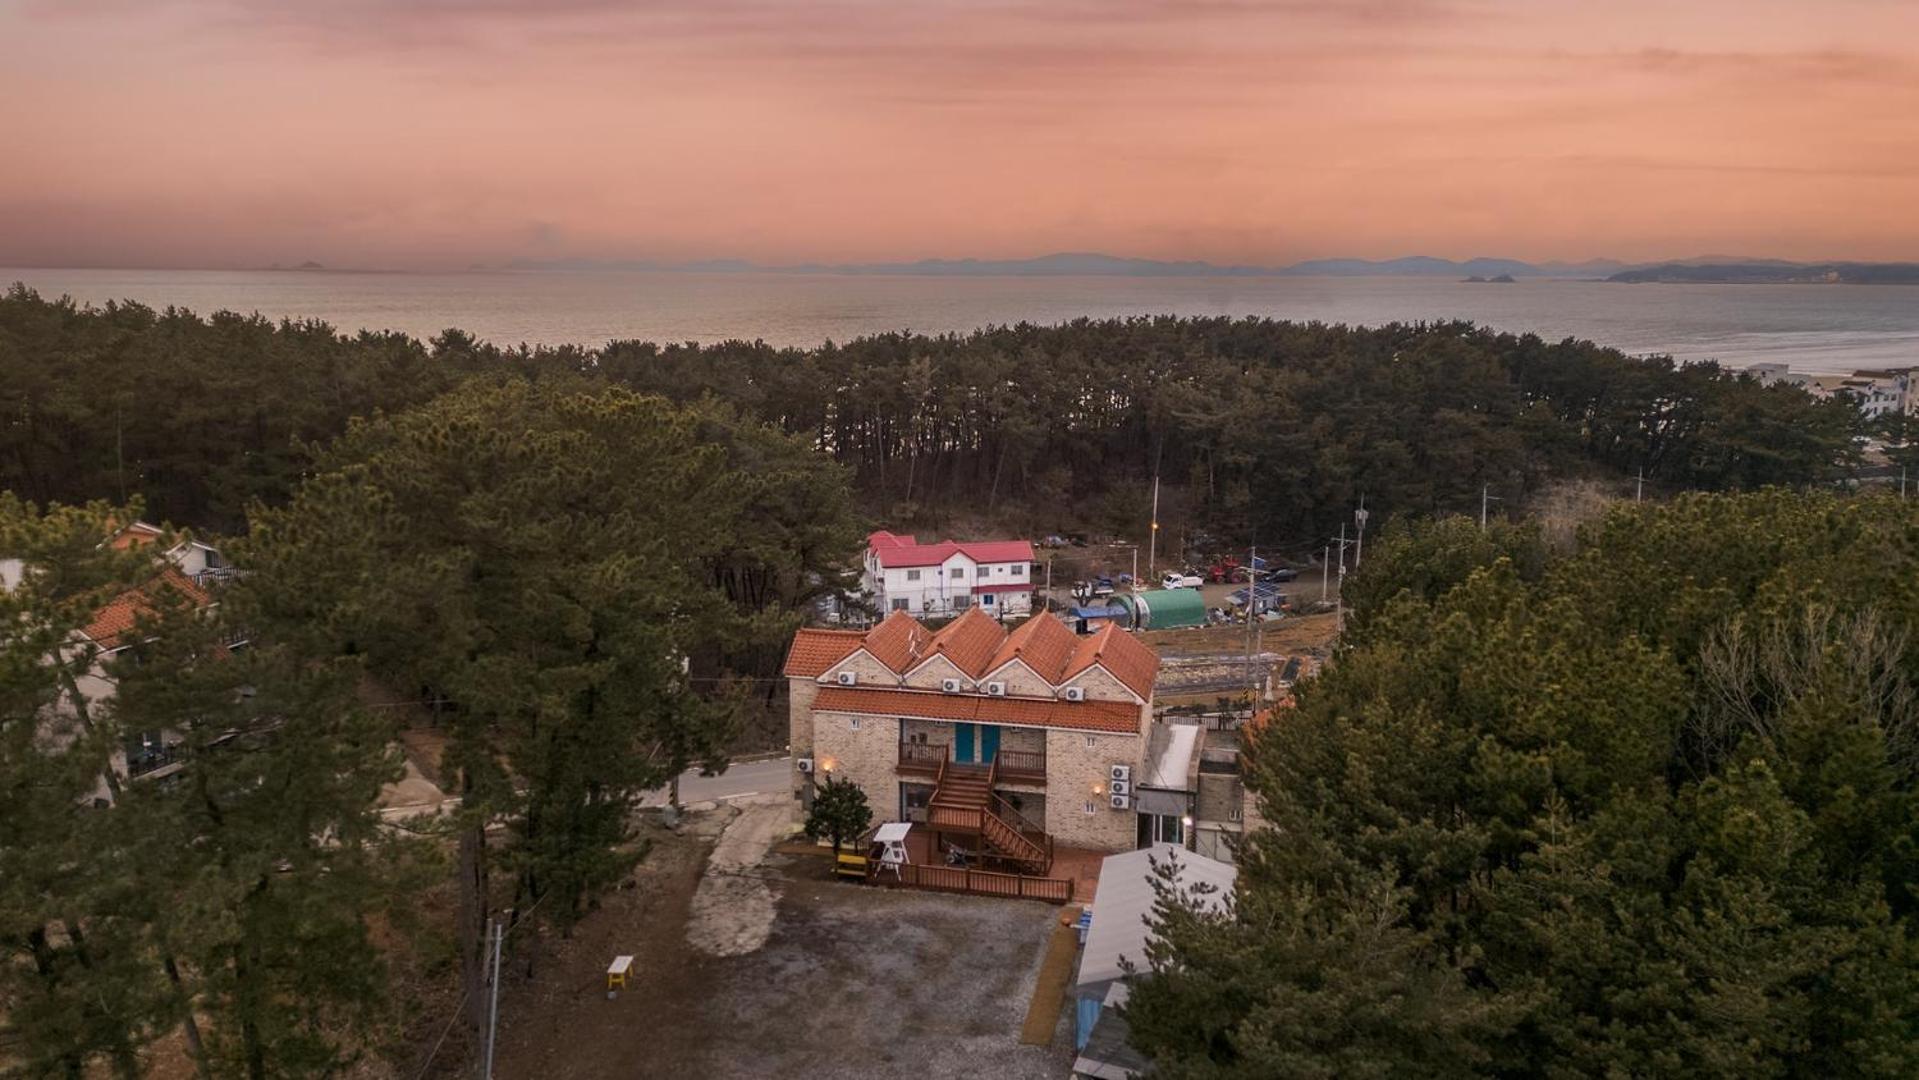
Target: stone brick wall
x,y
871,671
1077,775
1021,681
799,737
868,757
928,675
1100,686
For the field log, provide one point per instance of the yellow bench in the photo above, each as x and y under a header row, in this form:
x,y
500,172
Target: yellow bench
x,y
617,973
851,866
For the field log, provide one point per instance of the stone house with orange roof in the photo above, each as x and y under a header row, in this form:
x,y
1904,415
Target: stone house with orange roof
x,y
1037,727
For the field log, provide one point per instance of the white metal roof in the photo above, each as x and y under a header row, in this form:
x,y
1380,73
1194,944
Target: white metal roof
x,y
1173,760
1125,899
892,830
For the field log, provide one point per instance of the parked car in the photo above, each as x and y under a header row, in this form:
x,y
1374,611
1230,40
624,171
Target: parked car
x,y
1175,579
1280,573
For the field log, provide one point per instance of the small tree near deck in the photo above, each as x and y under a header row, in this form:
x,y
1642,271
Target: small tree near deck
x,y
839,813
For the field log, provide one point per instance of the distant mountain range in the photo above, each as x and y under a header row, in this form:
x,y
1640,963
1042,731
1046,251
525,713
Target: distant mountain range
x,y
1094,264
1773,272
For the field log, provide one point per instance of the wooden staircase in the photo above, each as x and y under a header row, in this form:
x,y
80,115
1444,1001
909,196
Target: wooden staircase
x,y
964,802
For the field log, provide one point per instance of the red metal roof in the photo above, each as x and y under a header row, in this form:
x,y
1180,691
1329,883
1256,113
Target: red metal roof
x,y
1117,717
897,552
1010,586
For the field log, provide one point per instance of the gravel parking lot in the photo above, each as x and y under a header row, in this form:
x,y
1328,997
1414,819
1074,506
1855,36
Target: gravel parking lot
x,y
781,972
862,982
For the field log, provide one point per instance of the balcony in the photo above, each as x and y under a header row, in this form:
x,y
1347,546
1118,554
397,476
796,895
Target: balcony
x,y
1017,765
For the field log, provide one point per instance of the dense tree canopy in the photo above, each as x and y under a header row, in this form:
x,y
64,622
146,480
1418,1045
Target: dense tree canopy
x,y
1645,809
1274,429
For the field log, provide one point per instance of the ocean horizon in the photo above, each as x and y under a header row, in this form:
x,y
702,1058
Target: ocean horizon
x,y
1819,329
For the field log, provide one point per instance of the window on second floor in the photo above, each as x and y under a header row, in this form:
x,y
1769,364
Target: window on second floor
x,y
899,603
912,575
1019,570
959,572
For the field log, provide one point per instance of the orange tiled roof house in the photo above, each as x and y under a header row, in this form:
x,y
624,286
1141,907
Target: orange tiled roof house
x,y
954,728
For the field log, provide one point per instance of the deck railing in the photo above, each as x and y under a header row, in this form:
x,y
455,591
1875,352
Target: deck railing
x,y
924,756
979,882
1021,764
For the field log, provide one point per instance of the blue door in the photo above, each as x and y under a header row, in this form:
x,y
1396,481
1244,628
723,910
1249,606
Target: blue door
x,y
988,742
963,743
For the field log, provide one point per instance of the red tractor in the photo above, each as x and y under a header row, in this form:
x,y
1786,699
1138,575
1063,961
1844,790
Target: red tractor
x,y
1223,570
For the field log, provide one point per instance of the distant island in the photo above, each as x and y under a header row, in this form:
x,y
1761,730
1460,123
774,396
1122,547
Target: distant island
x,y
1486,271
1773,273
1095,264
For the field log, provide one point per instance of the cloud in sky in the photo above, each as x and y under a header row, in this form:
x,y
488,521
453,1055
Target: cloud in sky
x,y
439,132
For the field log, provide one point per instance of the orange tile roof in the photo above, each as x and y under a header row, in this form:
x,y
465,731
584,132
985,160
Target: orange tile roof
x,y
969,641
1044,644
1125,656
898,641
814,652
1117,717
111,623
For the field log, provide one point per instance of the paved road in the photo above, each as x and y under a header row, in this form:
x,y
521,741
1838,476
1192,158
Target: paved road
x,y
740,779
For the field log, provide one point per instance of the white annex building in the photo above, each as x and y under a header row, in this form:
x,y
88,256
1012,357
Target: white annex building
x,y
946,578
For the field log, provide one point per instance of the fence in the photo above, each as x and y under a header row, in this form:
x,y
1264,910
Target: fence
x,y
980,882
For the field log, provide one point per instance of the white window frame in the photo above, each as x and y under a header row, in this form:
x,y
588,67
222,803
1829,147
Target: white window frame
x,y
1089,808
852,723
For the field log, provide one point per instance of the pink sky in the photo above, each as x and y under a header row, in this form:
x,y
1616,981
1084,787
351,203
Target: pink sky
x,y
423,133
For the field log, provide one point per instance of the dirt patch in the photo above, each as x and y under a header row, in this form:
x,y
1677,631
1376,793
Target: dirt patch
x,y
555,1019
733,910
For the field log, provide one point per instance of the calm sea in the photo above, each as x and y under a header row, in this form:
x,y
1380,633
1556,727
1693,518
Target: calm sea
x,y
1815,328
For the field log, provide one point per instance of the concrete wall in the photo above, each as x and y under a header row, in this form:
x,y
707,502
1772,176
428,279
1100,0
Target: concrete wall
x,y
1220,797
1076,771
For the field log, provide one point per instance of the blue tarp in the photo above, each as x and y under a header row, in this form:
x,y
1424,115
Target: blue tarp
x,y
1098,612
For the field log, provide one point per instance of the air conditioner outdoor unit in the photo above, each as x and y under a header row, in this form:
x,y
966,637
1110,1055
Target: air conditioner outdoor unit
x,y
805,764
1120,787
847,678
1121,773
996,689
1076,693
1121,802
951,686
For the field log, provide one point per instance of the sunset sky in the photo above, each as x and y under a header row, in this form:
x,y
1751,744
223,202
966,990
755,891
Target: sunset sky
x,y
428,133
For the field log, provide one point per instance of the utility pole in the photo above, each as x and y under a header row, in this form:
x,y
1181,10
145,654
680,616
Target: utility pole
x,y
1252,580
1048,598
1902,481
493,1008
1485,497
1325,568
1152,538
1359,546
1339,597
1136,563
1639,492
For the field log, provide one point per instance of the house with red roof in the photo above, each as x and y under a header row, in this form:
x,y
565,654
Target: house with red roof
x,y
183,572
998,743
949,577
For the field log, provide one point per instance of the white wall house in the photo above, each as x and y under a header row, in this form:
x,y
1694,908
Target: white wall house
x,y
948,577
